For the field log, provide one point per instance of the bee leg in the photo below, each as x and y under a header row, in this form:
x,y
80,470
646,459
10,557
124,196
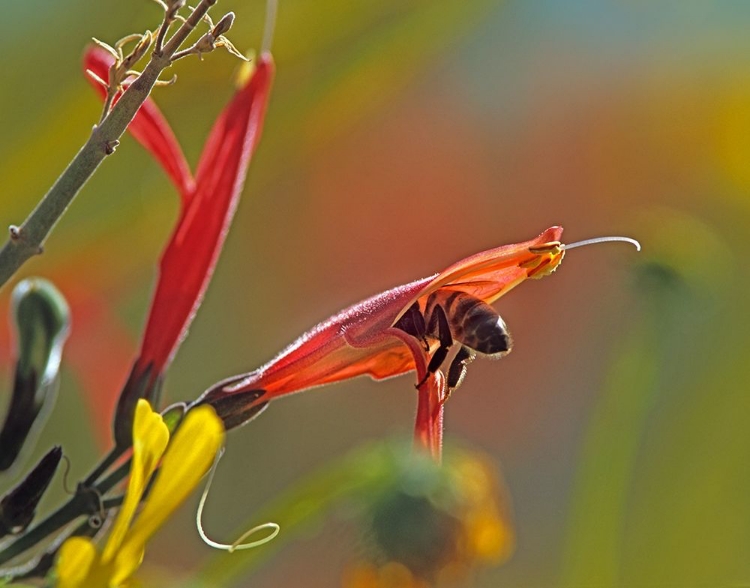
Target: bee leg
x,y
439,327
412,322
457,369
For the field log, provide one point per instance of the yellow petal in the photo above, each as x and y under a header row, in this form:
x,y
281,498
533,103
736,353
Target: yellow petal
x,y
150,438
74,562
125,565
188,458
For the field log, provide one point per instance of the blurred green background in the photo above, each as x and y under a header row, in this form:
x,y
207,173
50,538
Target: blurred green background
x,y
402,136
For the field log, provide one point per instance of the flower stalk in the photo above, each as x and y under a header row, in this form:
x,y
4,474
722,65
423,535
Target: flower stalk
x,y
27,240
208,203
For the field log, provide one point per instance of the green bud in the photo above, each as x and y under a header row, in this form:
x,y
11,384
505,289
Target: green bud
x,y
173,415
41,318
18,506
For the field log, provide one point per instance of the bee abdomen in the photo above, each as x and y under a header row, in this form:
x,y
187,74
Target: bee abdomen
x,y
484,331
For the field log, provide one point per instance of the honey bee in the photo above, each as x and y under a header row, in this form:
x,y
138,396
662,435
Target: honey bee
x,y
452,316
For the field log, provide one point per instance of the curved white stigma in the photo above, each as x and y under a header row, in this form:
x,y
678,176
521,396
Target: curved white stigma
x,y
585,242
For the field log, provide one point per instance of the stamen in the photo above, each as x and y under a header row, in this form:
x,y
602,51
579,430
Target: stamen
x,y
585,242
238,544
270,25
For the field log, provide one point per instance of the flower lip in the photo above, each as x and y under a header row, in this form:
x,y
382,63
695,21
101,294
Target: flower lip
x,y
491,274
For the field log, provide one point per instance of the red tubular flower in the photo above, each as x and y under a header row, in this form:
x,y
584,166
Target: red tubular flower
x,y
399,331
208,205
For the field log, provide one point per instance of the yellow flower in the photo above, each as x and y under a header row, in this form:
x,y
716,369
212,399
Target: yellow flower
x,y
389,575
435,526
185,461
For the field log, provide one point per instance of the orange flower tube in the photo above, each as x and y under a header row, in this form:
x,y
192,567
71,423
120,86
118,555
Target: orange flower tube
x,y
378,337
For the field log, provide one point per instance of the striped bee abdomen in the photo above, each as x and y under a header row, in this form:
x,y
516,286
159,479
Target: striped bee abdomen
x,y
473,322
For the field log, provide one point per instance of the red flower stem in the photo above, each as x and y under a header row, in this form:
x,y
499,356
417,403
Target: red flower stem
x,y
27,240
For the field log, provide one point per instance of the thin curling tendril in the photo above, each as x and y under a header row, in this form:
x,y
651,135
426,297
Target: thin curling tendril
x,y
238,545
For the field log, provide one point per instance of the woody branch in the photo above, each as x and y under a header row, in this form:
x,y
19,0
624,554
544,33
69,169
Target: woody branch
x,y
27,239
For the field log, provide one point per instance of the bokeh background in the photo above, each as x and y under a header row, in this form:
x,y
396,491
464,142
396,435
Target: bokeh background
x,y
402,136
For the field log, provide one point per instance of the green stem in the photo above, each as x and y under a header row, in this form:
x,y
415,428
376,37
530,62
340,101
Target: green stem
x,y
78,505
28,239
103,466
84,502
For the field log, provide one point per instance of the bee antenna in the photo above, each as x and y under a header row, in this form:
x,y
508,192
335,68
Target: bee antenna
x,y
585,242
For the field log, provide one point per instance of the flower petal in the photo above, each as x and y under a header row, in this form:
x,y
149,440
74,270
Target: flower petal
x,y
491,274
150,438
361,340
428,427
149,127
357,341
74,563
190,455
189,259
